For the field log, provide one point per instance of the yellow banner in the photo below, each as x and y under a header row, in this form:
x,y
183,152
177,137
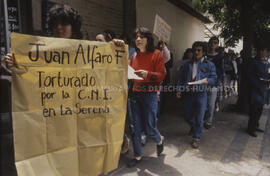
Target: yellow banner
x,y
69,105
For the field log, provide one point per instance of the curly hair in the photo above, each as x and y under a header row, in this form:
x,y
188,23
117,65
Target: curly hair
x,y
109,34
64,14
200,43
106,36
150,47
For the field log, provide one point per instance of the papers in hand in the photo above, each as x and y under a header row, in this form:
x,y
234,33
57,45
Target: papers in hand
x,y
198,82
132,75
262,79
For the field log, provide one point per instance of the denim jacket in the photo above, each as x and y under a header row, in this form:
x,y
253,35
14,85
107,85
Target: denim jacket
x,y
206,69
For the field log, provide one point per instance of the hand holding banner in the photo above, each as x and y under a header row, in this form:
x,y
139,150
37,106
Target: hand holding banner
x,y
69,105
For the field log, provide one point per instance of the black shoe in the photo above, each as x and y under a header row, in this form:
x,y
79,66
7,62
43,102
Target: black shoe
x,y
191,132
259,130
206,126
253,134
195,144
160,148
133,162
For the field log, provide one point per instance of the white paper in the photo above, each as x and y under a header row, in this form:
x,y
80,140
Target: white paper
x,y
198,82
262,79
132,75
162,29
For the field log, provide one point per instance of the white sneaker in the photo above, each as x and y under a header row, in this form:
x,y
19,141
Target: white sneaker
x,y
217,107
144,139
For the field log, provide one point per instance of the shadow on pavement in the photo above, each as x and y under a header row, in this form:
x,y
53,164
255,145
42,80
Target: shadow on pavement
x,y
150,166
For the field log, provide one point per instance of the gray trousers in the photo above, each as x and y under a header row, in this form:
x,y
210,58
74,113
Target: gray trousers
x,y
210,108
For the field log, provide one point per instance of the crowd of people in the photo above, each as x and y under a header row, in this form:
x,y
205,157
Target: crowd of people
x,y
207,76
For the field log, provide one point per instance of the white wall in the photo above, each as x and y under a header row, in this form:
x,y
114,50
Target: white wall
x,y
185,28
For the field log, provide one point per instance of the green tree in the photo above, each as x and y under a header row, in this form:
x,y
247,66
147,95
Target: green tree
x,y
240,19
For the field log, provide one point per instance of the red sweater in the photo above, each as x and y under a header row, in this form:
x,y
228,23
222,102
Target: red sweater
x,y
154,64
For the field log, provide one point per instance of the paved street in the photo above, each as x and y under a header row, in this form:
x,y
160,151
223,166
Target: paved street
x,y
226,150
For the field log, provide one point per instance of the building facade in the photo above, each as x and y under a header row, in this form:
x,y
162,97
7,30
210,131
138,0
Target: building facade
x,y
97,15
120,16
187,26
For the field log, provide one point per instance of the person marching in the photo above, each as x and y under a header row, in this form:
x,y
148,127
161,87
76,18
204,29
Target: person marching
x,y
215,93
195,96
259,79
148,64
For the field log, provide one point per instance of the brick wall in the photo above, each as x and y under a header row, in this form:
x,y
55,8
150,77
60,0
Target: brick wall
x,y
97,15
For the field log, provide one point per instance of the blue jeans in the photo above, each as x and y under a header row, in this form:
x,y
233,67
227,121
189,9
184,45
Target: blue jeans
x,y
195,106
144,112
130,117
211,102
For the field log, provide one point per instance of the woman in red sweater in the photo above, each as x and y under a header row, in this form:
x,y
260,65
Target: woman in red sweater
x,y
148,64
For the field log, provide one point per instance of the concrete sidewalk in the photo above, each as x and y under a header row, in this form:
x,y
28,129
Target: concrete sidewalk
x,y
225,150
